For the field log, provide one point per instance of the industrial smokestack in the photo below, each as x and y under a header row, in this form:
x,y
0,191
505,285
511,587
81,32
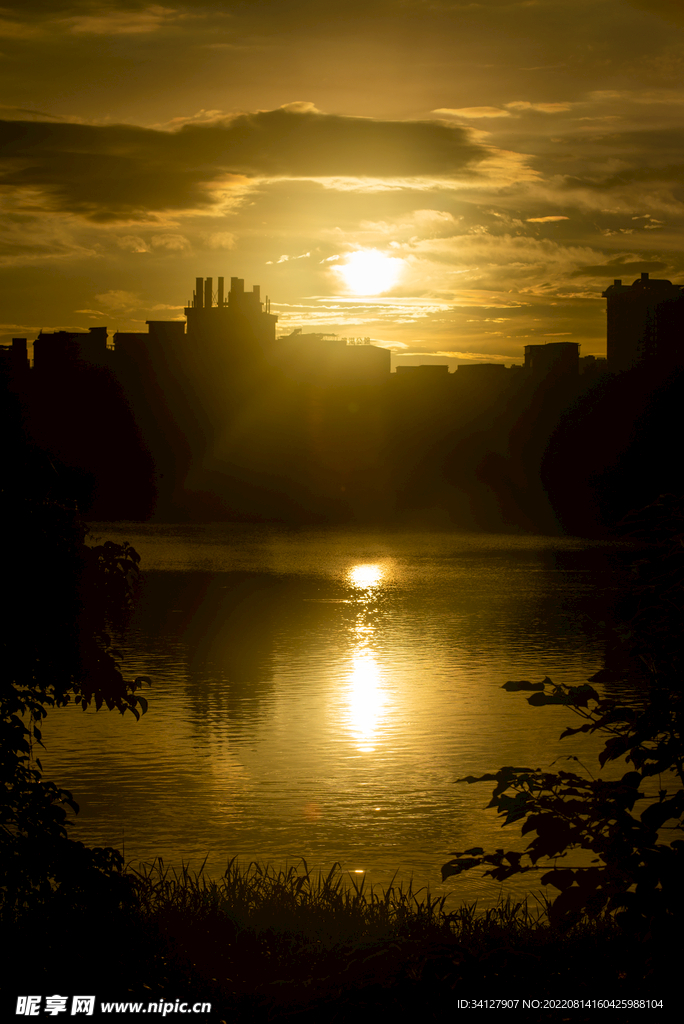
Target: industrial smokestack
x,y
199,287
207,293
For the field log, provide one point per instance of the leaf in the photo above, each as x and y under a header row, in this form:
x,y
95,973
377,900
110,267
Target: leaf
x,y
456,867
656,815
573,732
581,695
615,747
481,778
537,700
568,905
522,685
560,878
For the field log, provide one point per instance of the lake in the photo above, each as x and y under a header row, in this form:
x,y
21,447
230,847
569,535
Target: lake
x,y
317,693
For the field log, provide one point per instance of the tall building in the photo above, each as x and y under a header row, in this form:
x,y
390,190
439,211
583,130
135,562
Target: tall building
x,y
645,324
239,320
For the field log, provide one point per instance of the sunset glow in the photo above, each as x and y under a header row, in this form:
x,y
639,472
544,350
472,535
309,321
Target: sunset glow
x,y
502,202
368,272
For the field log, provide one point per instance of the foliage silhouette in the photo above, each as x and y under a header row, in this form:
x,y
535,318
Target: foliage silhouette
x,y
56,648
635,872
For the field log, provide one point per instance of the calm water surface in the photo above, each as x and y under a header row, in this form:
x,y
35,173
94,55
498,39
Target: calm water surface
x,y
317,694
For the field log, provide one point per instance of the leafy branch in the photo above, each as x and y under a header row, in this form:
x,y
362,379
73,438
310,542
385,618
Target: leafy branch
x,y
56,648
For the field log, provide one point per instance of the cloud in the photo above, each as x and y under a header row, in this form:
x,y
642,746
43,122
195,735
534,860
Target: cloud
x,y
123,172
473,111
132,243
219,240
10,113
16,30
284,259
201,116
542,108
416,223
671,10
118,299
174,243
29,240
475,357
620,265
114,23
301,107
545,220
495,270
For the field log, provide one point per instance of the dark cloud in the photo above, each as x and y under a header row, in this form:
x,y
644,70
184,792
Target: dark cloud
x,y
21,113
672,174
616,267
109,172
305,143
647,158
287,8
671,10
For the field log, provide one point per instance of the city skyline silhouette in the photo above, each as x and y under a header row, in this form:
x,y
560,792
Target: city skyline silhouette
x,y
222,418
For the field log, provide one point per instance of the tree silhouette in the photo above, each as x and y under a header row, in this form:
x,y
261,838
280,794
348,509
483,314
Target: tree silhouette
x,y
63,595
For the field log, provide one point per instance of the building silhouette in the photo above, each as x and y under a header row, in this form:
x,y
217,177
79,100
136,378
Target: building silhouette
x,y
14,363
63,351
217,416
557,360
645,324
240,320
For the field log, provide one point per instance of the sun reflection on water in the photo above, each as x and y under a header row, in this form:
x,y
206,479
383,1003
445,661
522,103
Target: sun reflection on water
x,y
367,697
366,577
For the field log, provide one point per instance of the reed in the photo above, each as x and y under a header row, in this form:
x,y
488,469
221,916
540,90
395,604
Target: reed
x,y
263,943
328,908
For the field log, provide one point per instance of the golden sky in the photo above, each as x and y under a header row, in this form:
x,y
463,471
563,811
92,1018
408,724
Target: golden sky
x,y
509,158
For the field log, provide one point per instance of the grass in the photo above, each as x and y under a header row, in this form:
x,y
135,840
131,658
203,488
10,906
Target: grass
x,y
262,944
325,908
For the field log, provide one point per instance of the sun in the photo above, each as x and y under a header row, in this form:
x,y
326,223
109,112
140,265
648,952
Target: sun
x,y
368,272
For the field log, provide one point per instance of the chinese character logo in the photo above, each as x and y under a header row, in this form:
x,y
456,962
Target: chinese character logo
x,y
83,1004
29,1006
55,1004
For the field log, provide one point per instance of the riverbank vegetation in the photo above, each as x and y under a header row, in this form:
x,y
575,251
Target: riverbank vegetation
x,y
262,944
